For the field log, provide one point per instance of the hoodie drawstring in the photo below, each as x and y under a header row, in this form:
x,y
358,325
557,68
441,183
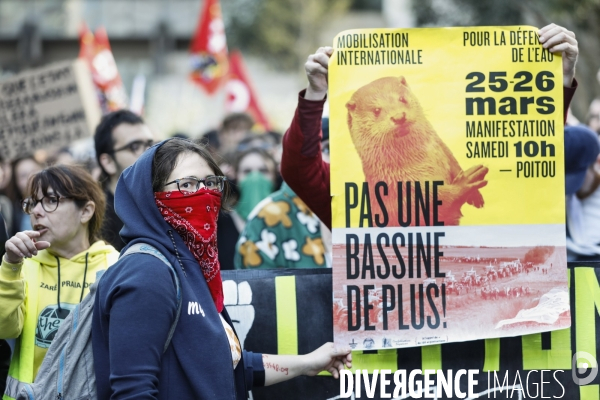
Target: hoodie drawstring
x,y
82,283
84,274
176,252
58,292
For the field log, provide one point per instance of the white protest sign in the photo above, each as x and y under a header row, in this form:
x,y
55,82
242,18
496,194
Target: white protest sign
x,y
46,108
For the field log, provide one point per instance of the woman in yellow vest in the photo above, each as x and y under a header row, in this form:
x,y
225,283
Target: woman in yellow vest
x,y
46,272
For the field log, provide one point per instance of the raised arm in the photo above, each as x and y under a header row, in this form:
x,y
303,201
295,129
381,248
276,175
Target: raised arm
x,y
302,166
557,39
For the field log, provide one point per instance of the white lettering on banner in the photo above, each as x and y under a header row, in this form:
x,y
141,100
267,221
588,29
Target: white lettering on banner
x,y
340,397
431,384
400,388
195,308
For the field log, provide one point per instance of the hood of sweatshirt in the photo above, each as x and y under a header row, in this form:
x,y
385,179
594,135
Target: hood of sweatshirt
x,y
135,206
96,254
143,223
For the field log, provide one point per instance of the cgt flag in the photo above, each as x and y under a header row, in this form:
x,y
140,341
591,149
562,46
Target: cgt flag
x,y
240,94
95,49
209,48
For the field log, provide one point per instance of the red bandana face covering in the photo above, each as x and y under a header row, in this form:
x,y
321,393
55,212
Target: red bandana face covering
x,y
194,218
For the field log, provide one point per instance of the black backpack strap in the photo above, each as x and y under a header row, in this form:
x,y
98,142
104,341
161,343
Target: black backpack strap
x,y
147,249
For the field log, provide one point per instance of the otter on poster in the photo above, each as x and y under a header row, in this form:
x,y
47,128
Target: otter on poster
x,y
396,143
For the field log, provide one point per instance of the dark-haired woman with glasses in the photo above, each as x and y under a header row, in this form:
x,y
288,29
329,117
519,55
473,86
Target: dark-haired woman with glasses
x,y
47,271
170,199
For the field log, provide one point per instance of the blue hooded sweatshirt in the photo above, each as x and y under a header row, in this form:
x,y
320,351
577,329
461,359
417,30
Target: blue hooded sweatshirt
x,y
136,305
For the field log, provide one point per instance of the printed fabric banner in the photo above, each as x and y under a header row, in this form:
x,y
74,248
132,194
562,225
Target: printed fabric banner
x,y
448,186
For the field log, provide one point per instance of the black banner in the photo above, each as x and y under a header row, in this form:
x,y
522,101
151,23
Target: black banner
x,y
532,366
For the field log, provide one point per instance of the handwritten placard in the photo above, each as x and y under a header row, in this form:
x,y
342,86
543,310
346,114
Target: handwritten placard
x,y
46,108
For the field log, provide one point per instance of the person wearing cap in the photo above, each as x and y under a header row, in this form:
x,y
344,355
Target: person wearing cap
x,y
302,165
581,151
583,199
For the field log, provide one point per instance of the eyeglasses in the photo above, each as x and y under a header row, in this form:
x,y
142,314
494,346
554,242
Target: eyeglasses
x,y
49,203
189,184
136,147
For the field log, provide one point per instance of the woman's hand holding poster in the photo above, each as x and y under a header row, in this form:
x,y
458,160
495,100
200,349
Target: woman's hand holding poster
x,y
448,186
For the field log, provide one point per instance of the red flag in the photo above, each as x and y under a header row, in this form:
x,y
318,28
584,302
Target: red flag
x,y
96,50
87,43
209,48
240,94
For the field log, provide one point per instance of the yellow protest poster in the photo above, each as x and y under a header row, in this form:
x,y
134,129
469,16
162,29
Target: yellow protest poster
x,y
447,177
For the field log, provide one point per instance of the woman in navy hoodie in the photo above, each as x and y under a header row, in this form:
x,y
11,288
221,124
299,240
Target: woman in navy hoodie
x,y
170,199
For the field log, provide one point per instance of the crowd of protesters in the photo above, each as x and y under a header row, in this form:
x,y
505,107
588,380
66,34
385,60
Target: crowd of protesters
x,y
62,224
258,219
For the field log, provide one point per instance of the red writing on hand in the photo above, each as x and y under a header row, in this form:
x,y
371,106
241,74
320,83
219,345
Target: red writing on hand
x,y
276,367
